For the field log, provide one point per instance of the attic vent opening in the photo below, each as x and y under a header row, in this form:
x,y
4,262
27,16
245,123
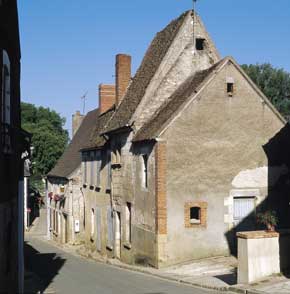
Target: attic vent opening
x,y
230,89
200,44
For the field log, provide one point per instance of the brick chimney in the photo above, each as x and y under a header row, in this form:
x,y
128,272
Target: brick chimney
x,y
123,75
107,97
77,119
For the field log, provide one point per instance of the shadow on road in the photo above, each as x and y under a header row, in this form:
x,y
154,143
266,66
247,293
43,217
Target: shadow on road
x,y
44,265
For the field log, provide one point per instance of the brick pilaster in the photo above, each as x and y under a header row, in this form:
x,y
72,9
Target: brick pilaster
x,y
160,188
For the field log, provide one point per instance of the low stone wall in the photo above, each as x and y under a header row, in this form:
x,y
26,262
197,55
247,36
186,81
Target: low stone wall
x,y
258,255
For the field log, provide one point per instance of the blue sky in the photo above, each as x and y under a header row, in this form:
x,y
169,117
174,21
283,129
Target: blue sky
x,y
69,46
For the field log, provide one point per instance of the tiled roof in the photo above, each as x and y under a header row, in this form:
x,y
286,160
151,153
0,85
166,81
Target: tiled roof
x,y
71,158
152,128
151,61
95,140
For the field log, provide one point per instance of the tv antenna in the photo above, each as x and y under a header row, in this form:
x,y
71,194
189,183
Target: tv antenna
x,y
84,97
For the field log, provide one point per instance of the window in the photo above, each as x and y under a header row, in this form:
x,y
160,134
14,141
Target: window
x,y
98,168
117,155
230,89
109,170
92,168
5,115
5,104
230,86
98,228
199,44
62,189
244,211
195,214
144,171
84,163
128,223
92,223
110,228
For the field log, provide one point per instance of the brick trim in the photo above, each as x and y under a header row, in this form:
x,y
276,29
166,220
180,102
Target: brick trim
x,y
203,214
160,188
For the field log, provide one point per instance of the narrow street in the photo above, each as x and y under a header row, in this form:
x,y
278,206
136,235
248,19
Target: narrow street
x,y
67,273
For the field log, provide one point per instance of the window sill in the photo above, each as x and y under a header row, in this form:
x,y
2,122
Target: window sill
x,y
109,248
116,165
195,222
127,246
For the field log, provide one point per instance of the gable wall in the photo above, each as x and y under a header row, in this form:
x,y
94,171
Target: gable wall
x,y
209,145
180,61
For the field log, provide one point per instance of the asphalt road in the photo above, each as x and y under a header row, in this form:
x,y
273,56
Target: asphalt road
x,y
67,273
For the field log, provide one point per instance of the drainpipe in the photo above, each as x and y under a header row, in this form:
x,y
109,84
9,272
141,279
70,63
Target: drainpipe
x,y
25,196
47,209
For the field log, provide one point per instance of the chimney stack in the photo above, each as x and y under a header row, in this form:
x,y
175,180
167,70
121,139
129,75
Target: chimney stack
x,y
77,119
123,75
107,97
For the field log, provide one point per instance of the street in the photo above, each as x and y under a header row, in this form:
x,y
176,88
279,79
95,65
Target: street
x,y
67,273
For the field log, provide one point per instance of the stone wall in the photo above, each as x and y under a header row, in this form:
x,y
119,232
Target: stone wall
x,y
216,138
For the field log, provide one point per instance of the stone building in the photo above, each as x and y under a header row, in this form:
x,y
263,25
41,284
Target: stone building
x,y
177,156
178,160
13,144
66,208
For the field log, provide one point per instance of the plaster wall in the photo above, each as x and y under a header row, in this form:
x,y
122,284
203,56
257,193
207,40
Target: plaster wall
x,y
70,209
127,187
98,198
213,141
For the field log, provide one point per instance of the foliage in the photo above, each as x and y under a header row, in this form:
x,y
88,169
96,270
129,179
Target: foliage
x,y
268,217
49,139
274,83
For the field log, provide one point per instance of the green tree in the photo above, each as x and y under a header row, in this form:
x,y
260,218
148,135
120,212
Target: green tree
x,y
274,83
49,138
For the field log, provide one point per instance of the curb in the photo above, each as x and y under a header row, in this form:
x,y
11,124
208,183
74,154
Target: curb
x,y
244,290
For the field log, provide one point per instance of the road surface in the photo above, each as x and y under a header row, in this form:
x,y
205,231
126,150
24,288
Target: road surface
x,y
67,273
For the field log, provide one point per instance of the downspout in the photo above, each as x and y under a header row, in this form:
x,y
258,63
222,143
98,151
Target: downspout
x,y
48,212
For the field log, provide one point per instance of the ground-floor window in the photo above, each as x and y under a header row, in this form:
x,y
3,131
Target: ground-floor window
x,y
244,211
92,223
110,228
128,214
195,214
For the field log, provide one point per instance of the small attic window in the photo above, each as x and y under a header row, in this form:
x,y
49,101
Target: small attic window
x,y
200,44
230,89
230,86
